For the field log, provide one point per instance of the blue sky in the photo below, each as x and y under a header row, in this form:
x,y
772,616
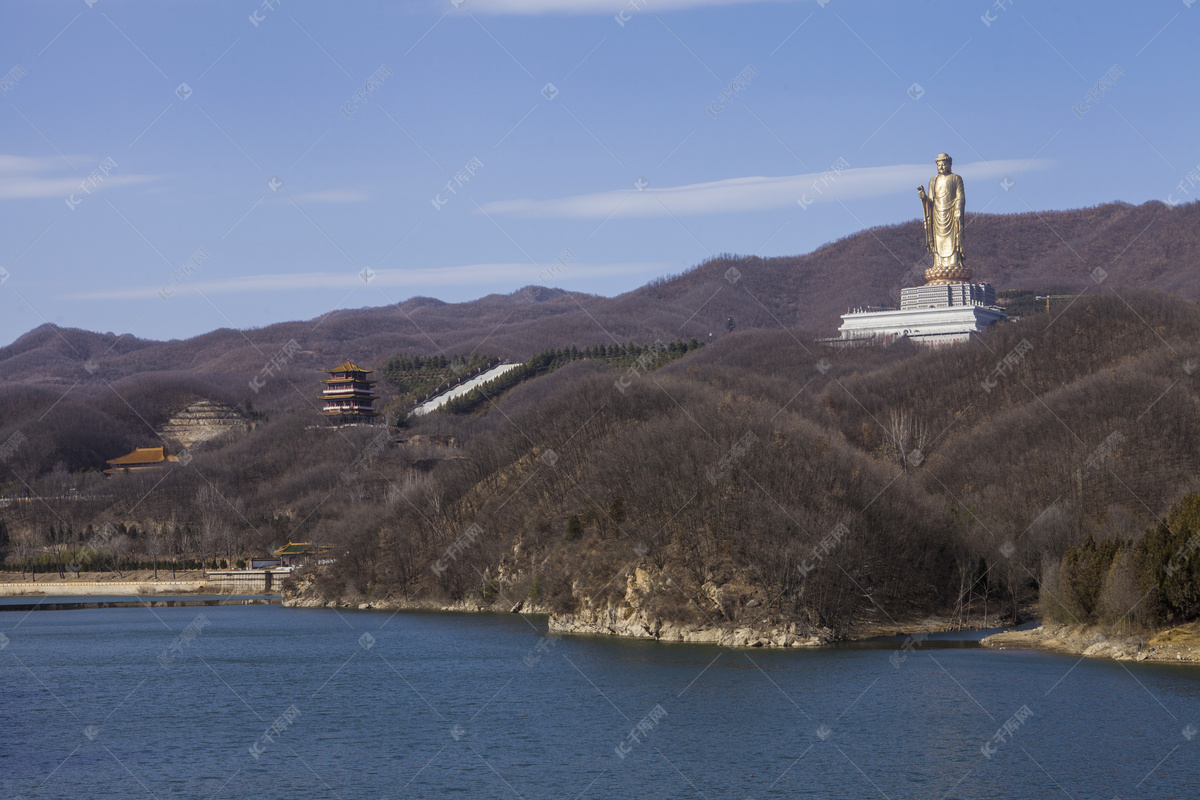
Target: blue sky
x,y
320,155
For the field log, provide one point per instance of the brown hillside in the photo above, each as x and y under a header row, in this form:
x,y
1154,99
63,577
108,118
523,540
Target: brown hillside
x,y
1149,246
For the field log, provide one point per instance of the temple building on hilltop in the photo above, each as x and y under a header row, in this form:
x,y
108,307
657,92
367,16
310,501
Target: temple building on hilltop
x,y
140,460
931,315
349,394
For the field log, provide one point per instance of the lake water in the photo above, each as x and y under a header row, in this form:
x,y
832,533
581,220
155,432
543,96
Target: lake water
x,y
96,703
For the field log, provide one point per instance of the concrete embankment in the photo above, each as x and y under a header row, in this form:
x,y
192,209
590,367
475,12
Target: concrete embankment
x,y
144,602
143,582
100,588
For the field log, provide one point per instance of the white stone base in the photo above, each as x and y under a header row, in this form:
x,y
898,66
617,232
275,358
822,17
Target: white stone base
x,y
926,326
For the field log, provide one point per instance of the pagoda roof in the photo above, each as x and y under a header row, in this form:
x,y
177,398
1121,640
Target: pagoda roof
x,y
349,366
141,456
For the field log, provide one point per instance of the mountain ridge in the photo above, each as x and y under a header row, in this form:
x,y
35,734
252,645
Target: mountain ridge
x,y
1152,246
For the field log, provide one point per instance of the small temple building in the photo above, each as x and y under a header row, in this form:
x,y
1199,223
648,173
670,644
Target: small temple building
x,y
140,460
295,554
350,394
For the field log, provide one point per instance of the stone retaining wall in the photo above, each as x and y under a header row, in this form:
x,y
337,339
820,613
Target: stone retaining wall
x,y
73,588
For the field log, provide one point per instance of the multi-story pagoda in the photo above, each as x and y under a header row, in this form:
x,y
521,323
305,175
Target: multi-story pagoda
x,y
349,394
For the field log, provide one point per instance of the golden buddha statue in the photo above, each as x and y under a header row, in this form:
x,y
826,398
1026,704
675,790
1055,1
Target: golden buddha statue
x,y
943,207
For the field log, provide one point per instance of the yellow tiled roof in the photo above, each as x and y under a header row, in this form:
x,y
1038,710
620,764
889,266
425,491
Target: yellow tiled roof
x,y
142,455
300,548
349,366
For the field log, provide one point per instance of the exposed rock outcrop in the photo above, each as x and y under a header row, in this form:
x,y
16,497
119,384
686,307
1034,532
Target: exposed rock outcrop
x,y
201,421
1175,644
637,624
428,440
636,618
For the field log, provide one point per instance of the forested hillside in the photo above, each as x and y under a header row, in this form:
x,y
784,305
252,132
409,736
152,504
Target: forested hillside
x,y
758,478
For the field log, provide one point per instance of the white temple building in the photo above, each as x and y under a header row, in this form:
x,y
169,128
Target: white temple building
x,y
931,315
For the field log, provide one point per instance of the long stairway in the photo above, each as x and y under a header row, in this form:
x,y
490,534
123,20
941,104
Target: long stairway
x,y
434,403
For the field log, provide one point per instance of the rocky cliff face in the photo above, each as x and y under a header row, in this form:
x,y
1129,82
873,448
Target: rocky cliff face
x,y
636,618
615,621
202,421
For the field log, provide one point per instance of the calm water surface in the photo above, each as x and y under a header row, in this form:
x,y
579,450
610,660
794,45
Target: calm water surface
x,y
95,703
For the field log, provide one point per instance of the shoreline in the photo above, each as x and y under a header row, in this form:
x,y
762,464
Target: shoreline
x,y
1177,645
770,634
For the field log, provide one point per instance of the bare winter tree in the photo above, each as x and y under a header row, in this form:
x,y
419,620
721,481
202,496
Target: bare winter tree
x,y
171,539
230,530
154,544
907,439
26,545
57,542
213,513
119,548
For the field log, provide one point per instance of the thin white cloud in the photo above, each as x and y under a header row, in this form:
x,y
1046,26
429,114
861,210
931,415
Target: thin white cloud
x,y
25,177
14,188
333,196
614,7
11,163
755,193
483,275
